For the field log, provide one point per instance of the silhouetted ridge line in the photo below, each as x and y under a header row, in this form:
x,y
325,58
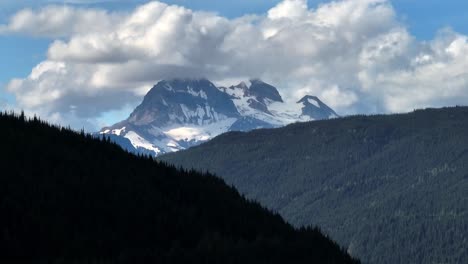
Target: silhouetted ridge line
x,y
69,197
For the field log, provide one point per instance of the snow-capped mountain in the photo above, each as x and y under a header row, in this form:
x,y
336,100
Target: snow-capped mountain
x,y
180,113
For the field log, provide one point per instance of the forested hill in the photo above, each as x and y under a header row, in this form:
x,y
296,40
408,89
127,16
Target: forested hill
x,y
392,189
67,197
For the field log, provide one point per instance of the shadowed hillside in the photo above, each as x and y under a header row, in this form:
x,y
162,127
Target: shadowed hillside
x,y
67,197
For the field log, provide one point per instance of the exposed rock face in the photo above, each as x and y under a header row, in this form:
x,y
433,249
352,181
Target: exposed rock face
x,y
263,91
316,109
183,102
180,113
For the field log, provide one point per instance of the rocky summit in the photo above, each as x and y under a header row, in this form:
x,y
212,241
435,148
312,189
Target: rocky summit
x,y
180,113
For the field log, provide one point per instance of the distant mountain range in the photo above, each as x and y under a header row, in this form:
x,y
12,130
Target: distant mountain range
x,y
391,188
180,113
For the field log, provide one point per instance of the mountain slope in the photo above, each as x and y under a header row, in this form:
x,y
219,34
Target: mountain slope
x,y
180,113
71,198
392,189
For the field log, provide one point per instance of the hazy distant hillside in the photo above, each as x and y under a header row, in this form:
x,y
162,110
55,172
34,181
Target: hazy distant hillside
x,y
71,198
392,189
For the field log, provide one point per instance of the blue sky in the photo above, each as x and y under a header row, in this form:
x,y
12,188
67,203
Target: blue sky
x,y
20,54
425,18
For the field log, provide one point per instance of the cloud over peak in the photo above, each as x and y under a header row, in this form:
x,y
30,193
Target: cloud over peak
x,y
354,54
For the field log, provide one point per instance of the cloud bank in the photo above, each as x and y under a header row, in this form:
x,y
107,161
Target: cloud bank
x,y
354,54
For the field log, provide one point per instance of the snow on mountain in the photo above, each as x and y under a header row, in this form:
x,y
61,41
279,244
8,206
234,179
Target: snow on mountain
x,y
180,113
315,109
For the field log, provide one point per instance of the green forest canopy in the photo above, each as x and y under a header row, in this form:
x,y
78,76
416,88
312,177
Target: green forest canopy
x,y
391,188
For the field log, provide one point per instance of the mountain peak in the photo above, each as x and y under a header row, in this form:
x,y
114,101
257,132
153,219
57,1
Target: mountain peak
x,y
263,90
314,108
242,85
182,101
182,84
182,112
189,80
311,99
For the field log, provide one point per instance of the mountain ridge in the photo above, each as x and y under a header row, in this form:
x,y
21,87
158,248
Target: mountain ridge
x,y
69,197
179,113
391,188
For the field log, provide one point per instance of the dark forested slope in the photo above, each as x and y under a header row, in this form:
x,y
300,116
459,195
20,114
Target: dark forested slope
x,y
71,198
392,189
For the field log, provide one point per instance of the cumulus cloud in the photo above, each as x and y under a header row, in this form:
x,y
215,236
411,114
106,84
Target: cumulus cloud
x,y
354,54
59,21
289,9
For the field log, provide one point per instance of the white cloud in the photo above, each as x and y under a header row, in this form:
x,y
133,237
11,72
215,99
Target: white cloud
x,y
405,74
59,21
354,54
289,9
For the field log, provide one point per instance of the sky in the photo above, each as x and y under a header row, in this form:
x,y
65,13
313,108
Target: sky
x,y
88,63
